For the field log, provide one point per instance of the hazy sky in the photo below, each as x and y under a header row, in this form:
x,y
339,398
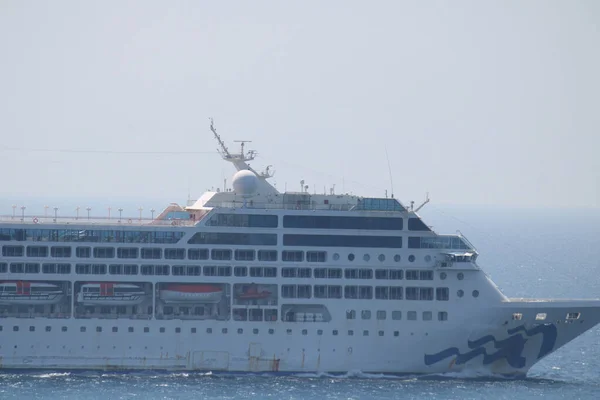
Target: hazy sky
x,y
476,102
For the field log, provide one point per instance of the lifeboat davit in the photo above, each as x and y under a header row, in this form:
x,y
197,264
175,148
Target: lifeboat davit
x,y
190,293
110,294
30,293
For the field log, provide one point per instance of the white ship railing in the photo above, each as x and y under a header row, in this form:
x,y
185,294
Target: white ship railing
x,y
72,220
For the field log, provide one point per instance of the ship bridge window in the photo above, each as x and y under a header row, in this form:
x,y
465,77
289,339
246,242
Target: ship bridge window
x,y
378,204
337,222
37,251
3,268
151,253
267,255
245,239
83,252
12,251
174,254
353,241
127,252
17,268
240,271
416,224
292,256
220,254
244,255
243,220
316,256
419,293
197,254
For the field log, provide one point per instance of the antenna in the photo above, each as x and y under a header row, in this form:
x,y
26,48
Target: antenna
x,y
224,152
425,202
251,153
390,171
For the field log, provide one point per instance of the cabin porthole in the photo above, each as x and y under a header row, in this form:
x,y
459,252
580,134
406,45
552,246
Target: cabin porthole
x,y
336,256
411,258
397,258
351,257
475,293
443,276
460,276
381,257
428,258
366,257
460,293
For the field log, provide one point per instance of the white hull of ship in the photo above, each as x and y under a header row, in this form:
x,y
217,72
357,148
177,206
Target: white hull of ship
x,y
418,349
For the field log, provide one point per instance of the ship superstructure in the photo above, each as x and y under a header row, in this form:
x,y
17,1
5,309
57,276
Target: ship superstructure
x,y
254,280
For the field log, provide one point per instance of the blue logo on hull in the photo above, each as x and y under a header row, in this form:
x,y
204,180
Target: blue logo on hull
x,y
510,348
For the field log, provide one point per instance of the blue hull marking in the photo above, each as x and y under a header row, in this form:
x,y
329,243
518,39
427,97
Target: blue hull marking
x,y
510,348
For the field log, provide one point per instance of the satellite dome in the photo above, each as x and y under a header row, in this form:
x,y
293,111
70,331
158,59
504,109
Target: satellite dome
x,y
245,183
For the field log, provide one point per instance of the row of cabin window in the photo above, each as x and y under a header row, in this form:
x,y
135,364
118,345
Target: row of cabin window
x,y
397,315
363,292
134,253
158,253
442,316
89,235
196,270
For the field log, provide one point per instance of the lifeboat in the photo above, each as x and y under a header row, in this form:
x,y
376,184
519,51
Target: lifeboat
x,y
251,292
30,293
110,294
190,293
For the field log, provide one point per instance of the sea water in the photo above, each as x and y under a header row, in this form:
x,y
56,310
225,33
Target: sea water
x,y
527,252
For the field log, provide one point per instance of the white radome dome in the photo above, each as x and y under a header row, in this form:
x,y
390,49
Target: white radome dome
x,y
245,183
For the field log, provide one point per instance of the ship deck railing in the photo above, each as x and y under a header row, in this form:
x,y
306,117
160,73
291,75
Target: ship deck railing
x,y
74,220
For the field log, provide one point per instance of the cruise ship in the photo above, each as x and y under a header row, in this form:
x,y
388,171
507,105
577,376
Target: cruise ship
x,y
250,279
